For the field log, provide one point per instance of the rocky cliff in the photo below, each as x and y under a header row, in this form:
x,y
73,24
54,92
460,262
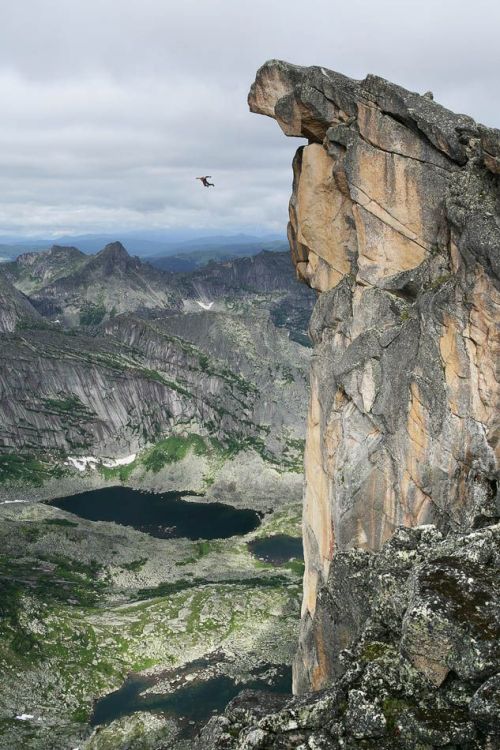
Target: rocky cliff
x,y
394,220
15,309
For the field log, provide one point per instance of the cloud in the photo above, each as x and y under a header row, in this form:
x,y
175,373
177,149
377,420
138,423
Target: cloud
x,y
110,109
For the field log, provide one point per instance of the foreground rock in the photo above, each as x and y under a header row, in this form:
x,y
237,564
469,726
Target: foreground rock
x,y
394,219
421,669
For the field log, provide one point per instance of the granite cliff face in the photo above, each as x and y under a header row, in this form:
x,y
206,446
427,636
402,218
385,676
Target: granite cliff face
x,y
394,220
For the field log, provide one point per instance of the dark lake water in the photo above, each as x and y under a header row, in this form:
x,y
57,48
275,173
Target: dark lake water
x,y
192,704
164,515
277,549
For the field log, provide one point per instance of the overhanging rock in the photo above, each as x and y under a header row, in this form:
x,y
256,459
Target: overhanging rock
x,y
394,220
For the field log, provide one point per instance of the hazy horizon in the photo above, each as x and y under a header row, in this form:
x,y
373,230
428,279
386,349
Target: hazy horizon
x,y
150,245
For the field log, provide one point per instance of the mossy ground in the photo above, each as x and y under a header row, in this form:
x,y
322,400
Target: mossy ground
x,y
84,603
177,447
28,469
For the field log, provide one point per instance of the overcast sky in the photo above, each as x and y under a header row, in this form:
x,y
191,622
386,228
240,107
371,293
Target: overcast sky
x,y
110,108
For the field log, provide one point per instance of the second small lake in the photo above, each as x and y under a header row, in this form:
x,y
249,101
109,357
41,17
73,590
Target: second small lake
x,y
164,515
278,548
192,705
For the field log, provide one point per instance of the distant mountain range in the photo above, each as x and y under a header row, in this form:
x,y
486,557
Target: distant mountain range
x,y
189,259
65,285
154,245
112,354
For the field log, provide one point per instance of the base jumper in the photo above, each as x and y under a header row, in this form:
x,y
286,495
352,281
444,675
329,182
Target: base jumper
x,y
205,180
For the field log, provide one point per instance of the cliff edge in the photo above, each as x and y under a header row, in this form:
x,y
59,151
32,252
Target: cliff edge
x,y
395,221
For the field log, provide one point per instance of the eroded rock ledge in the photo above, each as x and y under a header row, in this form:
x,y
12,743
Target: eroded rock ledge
x,y
394,219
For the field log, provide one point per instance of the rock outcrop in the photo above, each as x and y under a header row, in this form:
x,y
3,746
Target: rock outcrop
x,y
421,671
394,220
15,309
34,270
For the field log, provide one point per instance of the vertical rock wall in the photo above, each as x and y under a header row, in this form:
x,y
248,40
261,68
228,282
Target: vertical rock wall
x,y
395,221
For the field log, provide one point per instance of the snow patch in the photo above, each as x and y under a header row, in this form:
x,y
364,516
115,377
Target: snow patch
x,y
110,463
204,305
81,463
6,502
25,717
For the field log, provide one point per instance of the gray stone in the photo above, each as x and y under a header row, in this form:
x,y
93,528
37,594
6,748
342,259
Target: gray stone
x,y
485,704
379,696
363,718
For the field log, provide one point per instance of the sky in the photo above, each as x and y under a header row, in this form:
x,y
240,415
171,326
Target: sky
x,y
111,108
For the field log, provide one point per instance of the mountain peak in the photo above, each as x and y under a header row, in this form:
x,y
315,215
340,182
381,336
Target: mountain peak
x,y
114,250
114,256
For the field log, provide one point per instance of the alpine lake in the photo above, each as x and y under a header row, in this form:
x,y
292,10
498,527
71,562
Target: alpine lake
x,y
132,617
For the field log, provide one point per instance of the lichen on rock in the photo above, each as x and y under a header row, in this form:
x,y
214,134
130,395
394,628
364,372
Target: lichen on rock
x,y
420,670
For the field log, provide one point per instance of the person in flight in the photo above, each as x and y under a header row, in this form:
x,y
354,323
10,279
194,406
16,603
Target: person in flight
x,y
205,180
